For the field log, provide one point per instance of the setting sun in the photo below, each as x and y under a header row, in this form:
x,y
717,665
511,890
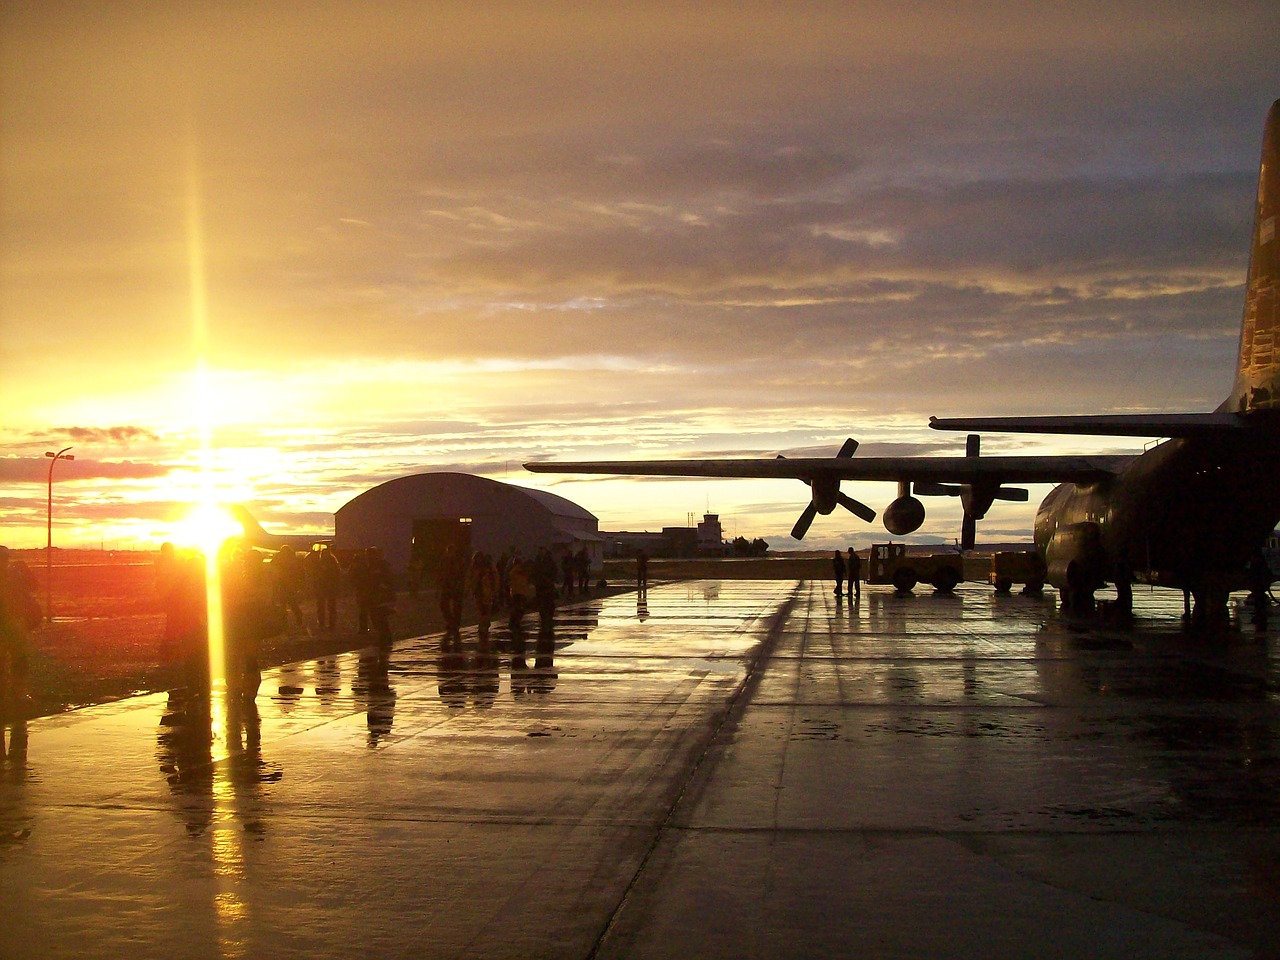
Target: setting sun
x,y
206,527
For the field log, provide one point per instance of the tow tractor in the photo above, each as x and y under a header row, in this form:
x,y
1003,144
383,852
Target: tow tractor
x,y
889,563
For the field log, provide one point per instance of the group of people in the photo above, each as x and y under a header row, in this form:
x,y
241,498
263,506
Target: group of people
x,y
850,569
259,593
513,582
245,609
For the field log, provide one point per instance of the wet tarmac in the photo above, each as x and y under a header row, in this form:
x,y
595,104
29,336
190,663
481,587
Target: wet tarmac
x,y
732,769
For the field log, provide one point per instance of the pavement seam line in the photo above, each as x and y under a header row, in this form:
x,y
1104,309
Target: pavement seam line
x,y
730,713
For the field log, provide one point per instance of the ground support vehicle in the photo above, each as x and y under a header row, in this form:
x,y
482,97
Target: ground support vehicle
x,y
890,563
1018,566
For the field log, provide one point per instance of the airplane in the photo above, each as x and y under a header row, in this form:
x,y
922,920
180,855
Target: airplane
x,y
1191,512
254,535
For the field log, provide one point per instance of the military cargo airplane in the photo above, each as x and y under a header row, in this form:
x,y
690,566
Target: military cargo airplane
x,y
1190,512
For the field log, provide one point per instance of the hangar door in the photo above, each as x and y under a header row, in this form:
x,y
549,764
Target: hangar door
x,y
433,536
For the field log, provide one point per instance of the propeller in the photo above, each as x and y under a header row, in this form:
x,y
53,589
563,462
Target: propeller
x,y
826,494
976,498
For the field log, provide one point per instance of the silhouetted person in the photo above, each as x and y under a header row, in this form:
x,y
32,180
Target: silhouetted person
x,y
324,575
23,587
286,583
186,625
503,569
642,572
248,618
13,643
415,573
362,588
837,570
854,570
582,567
520,597
484,591
544,588
567,573
381,595
453,586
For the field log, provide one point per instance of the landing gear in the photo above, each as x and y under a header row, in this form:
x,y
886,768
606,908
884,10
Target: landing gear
x,y
1077,594
1124,594
1209,609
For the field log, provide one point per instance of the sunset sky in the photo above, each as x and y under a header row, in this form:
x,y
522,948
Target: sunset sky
x,y
408,237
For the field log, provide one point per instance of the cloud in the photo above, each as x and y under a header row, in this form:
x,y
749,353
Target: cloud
x,y
33,470
430,242
103,435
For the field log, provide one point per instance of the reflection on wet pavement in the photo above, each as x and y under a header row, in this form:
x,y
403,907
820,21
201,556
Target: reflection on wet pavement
x,y
685,773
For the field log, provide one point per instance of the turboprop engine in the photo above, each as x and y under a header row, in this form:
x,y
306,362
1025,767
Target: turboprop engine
x,y
825,496
905,514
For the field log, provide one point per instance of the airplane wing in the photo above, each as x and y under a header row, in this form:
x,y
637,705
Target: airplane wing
x,y
1032,469
977,480
1105,425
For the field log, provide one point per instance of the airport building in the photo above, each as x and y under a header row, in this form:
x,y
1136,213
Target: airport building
x,y
704,540
427,512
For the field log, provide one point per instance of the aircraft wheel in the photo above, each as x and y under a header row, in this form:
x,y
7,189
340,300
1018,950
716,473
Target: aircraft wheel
x,y
945,580
1034,588
905,580
1003,584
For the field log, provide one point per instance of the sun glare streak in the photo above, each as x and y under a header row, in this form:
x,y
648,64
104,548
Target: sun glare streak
x,y
204,405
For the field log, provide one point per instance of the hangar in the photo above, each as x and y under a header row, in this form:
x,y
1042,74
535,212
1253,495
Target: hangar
x,y
426,512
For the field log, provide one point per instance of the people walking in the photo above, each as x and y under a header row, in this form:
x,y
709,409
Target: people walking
x,y
837,569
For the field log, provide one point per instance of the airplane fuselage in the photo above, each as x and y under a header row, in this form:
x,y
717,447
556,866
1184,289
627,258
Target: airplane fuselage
x,y
1188,513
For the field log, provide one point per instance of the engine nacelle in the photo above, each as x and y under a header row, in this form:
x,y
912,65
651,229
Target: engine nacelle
x,y
904,516
1076,559
826,493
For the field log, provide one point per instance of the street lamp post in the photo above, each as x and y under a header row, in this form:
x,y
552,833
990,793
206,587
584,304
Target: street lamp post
x,y
48,550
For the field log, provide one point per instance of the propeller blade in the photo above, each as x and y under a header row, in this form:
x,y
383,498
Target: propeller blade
x,y
802,524
1016,494
926,488
857,508
849,447
968,532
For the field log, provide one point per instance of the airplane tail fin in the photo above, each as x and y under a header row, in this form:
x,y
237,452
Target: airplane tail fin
x,y
1257,385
